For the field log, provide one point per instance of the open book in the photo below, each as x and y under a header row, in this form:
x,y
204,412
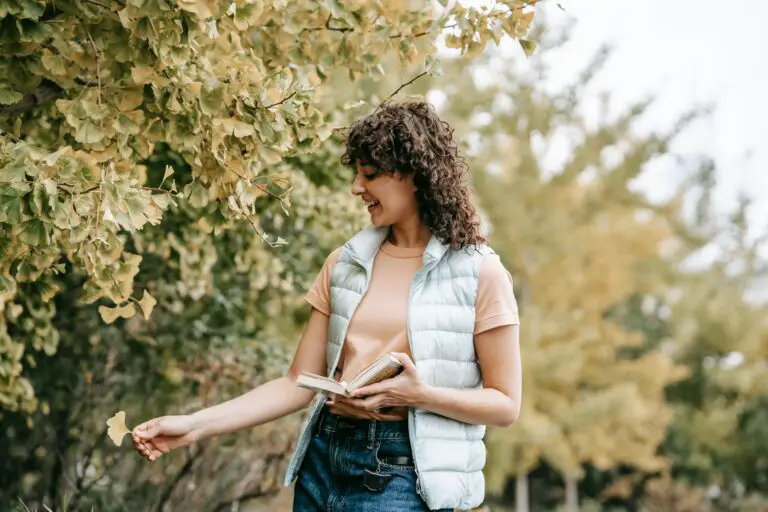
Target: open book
x,y
383,368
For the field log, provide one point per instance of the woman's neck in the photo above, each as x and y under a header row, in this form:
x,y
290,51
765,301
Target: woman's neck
x,y
411,233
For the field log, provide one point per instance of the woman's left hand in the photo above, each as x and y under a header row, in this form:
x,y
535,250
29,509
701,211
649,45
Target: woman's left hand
x,y
406,389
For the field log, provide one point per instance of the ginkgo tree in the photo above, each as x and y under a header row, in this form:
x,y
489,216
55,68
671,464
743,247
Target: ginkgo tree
x,y
578,241
228,315
90,89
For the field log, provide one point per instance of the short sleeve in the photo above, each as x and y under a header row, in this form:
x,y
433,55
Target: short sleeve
x,y
319,294
496,304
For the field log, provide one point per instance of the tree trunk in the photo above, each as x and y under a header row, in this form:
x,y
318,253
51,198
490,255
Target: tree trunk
x,y
571,494
521,494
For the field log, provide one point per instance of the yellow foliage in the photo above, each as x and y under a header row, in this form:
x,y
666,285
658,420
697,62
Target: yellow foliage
x,y
576,249
234,89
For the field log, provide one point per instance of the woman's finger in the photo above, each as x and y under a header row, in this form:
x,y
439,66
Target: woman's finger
x,y
377,388
369,404
149,429
405,360
345,409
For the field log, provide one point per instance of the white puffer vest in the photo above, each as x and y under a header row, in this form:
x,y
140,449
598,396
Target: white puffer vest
x,y
449,455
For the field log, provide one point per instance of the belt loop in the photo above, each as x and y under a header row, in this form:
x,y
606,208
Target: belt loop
x,y
371,434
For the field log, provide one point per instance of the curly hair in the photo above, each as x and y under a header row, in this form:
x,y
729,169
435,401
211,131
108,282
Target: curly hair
x,y
411,139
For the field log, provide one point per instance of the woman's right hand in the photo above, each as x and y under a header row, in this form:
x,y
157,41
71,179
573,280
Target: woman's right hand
x,y
159,436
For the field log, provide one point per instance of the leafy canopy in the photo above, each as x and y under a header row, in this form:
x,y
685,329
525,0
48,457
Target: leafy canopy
x,y
89,89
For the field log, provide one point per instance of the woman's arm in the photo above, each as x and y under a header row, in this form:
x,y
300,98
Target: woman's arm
x,y
496,404
274,399
268,402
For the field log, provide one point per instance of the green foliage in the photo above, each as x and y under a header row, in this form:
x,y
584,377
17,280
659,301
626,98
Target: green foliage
x,y
718,436
229,310
92,90
169,186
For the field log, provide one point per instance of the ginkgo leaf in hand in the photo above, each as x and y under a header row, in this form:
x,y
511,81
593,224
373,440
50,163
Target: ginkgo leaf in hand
x,y
117,428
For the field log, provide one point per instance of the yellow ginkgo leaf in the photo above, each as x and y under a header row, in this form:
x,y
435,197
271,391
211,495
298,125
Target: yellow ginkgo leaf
x,y
109,315
147,303
117,428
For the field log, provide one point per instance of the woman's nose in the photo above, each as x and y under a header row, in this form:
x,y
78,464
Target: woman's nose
x,y
357,185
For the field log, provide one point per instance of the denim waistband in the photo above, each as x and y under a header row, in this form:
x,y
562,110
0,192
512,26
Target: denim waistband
x,y
364,430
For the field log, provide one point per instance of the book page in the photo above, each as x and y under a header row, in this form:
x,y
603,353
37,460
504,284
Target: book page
x,y
321,384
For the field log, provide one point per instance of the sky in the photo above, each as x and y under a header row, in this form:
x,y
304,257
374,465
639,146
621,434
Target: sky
x,y
686,53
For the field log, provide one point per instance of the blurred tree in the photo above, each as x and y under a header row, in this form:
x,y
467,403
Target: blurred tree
x,y
719,321
664,494
579,240
625,306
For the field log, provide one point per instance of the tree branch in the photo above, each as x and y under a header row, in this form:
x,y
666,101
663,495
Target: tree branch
x,y
45,92
185,469
417,34
98,63
282,100
406,84
328,26
258,493
259,186
530,3
259,233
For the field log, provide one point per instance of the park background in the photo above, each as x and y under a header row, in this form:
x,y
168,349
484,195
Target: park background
x,y
170,185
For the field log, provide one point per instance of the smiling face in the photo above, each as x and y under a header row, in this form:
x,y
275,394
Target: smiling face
x,y
434,199
390,198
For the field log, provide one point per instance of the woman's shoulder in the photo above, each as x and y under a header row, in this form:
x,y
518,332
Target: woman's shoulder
x,y
485,259
333,256
493,268
480,253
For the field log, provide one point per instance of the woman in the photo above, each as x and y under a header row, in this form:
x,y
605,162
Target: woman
x,y
421,284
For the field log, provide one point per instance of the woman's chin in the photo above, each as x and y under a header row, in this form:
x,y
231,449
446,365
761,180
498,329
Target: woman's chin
x,y
378,222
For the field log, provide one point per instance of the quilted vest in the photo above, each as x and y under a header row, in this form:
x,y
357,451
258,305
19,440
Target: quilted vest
x,y
449,455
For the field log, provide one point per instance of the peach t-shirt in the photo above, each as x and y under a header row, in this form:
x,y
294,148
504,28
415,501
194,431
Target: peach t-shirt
x,y
379,323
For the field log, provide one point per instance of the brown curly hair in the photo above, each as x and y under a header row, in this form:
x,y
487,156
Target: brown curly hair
x,y
411,139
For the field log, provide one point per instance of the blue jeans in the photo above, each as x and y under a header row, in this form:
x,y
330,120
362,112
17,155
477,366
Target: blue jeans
x,y
357,466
